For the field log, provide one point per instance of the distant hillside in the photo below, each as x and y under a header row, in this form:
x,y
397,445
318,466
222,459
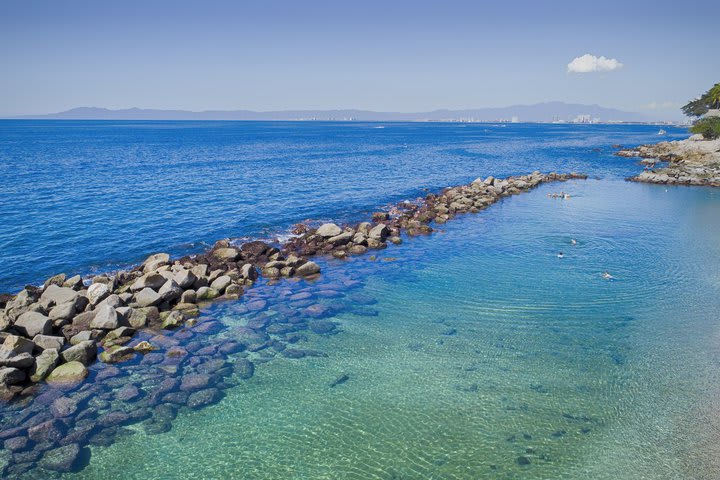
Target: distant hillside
x,y
541,112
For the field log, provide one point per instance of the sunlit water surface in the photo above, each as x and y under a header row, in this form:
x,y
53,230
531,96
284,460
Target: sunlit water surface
x,y
478,353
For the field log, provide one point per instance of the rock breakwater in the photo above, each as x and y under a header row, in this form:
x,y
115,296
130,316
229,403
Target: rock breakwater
x,y
54,332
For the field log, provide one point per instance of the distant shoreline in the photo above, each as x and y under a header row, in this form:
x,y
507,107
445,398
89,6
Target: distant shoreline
x,y
319,121
540,112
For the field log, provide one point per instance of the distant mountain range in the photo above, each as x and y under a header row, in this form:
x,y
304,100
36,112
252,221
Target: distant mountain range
x,y
540,112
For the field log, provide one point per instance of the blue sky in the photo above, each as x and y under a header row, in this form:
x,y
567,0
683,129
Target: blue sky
x,y
378,55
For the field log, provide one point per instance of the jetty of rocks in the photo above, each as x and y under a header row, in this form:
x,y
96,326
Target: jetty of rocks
x,y
53,332
693,161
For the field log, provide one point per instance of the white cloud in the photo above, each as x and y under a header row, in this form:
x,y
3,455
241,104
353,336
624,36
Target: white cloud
x,y
590,63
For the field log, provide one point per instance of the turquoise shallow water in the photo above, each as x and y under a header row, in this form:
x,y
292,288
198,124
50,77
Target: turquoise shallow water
x,y
478,353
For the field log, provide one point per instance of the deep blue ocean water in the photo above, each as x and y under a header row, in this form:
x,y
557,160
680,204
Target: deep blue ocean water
x,y
473,353
89,196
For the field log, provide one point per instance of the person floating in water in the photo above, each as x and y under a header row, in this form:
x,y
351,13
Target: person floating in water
x,y
573,241
606,275
560,255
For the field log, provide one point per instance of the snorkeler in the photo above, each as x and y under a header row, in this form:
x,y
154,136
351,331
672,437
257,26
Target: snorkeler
x,y
606,275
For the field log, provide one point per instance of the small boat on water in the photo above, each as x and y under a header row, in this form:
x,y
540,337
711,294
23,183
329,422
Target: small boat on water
x,y
662,132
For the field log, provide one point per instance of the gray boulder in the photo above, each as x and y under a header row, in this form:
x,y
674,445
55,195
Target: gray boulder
x,y
75,282
341,239
184,278
228,254
137,318
379,232
97,292
173,320
19,360
113,300
58,280
221,283
83,336
153,262
151,280
147,297
82,320
55,295
207,293
44,342
106,318
44,364
188,296
170,292
328,230
307,268
84,352
64,311
17,344
11,376
124,313
33,323
249,272
200,270
20,304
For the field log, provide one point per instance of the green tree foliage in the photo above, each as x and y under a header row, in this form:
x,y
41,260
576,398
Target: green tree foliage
x,y
701,105
709,127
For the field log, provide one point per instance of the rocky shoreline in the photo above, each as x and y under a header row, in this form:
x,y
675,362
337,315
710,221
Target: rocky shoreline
x,y
693,161
54,332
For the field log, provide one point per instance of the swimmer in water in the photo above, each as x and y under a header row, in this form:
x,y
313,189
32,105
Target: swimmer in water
x,y
560,255
573,241
606,275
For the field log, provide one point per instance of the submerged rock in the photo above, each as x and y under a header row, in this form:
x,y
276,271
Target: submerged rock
x,y
49,431
244,368
204,397
63,407
339,380
61,459
322,327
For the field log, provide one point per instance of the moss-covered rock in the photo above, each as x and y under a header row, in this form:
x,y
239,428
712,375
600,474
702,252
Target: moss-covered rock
x,y
71,372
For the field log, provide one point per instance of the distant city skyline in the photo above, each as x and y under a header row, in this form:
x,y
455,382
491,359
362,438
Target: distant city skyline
x,y
645,57
556,112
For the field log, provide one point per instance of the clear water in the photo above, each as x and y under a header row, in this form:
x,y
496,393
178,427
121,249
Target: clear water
x,y
472,353
78,197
